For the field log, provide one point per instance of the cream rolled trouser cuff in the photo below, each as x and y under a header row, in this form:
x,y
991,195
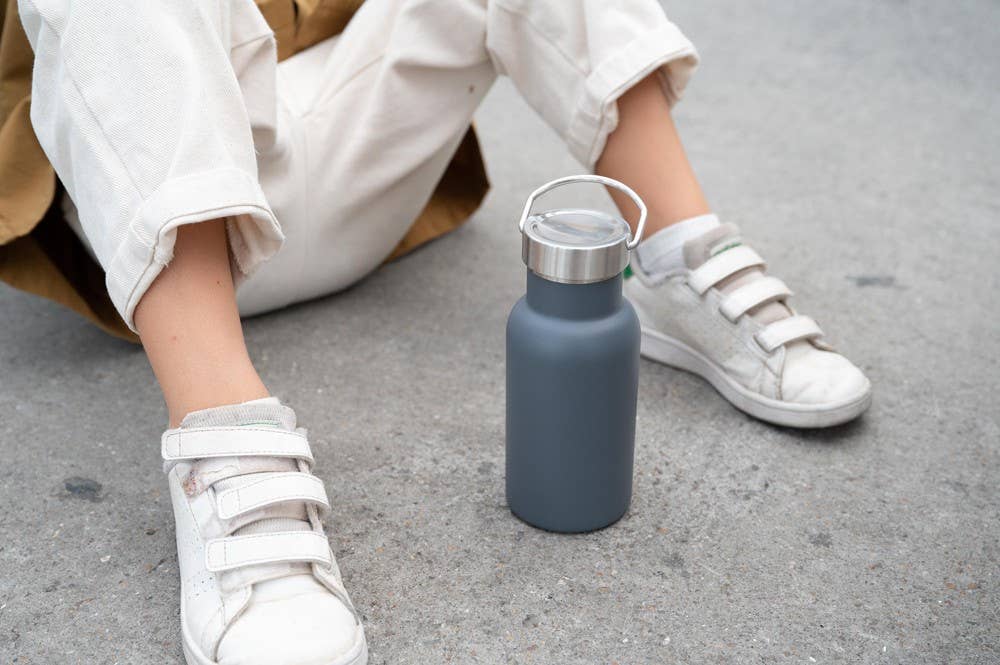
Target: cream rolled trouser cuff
x,y
225,193
341,144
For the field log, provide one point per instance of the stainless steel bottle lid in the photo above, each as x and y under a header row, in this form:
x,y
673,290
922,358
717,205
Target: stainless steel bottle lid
x,y
575,246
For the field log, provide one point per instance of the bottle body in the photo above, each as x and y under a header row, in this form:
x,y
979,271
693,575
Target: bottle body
x,y
572,382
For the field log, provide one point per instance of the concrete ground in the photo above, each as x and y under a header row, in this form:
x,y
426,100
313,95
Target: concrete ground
x,y
856,142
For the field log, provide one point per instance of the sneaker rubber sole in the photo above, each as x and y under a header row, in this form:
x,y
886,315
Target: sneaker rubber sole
x,y
358,655
669,351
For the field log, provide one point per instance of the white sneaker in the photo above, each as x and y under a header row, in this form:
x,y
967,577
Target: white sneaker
x,y
722,318
259,583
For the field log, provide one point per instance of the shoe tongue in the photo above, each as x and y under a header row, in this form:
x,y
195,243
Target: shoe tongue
x,y
266,412
716,241
225,473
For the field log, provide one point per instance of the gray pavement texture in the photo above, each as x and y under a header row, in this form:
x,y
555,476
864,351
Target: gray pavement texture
x,y
856,142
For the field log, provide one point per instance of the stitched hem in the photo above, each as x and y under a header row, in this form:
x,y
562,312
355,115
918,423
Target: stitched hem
x,y
665,48
254,233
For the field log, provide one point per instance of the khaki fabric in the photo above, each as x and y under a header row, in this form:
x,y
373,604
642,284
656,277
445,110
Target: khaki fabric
x,y
40,254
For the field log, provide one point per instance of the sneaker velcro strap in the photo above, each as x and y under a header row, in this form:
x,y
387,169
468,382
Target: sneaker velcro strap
x,y
267,489
787,330
204,442
754,294
721,266
292,546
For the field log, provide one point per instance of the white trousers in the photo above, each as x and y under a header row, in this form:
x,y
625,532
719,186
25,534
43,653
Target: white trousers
x,y
158,114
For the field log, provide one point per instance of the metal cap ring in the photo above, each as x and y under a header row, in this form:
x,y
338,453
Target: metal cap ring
x,y
607,182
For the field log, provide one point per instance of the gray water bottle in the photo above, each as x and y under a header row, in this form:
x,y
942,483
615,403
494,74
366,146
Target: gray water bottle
x,y
572,368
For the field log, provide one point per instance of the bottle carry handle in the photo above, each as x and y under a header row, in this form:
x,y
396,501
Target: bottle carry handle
x,y
607,182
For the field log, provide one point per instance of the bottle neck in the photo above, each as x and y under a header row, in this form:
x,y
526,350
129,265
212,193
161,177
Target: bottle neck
x,y
574,301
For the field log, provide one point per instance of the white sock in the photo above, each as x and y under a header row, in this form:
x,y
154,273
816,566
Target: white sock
x,y
663,252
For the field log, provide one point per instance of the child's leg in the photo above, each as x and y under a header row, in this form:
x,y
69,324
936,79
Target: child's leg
x,y
605,81
153,118
710,311
645,151
149,134
191,329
